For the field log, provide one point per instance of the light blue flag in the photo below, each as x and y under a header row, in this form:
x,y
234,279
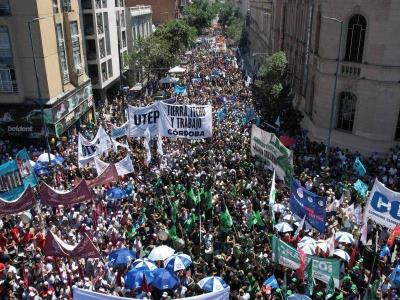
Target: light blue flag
x,y
272,282
221,114
359,167
180,90
361,188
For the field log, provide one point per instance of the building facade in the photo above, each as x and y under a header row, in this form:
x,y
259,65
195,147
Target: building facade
x,y
366,103
139,25
41,63
163,11
104,27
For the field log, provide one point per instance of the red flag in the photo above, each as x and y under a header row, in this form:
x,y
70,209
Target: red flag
x,y
395,233
145,287
300,270
353,256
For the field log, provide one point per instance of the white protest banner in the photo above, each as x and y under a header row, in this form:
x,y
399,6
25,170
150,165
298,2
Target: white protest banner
x,y
383,206
120,131
88,150
271,151
81,294
141,118
185,121
124,166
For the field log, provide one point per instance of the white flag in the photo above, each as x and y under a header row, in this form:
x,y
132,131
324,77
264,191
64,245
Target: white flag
x,y
148,156
364,234
301,225
147,138
124,166
331,245
272,193
278,121
100,165
160,150
117,144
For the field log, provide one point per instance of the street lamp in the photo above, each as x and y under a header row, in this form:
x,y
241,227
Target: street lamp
x,y
46,134
334,87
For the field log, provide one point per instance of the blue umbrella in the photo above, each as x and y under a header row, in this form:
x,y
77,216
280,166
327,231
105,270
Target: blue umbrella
x,y
121,256
178,262
395,277
164,280
116,193
212,284
129,189
134,278
58,160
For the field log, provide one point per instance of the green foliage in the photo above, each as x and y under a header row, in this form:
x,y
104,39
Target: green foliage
x,y
272,93
234,30
228,14
153,55
199,14
177,33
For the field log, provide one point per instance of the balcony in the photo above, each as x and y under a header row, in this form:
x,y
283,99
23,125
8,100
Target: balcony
x,y
91,55
8,86
89,30
100,29
350,71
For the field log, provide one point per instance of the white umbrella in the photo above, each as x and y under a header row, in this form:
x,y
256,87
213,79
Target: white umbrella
x,y
342,254
298,297
308,248
344,237
307,241
277,207
44,157
323,245
283,227
177,70
288,218
161,253
178,262
212,284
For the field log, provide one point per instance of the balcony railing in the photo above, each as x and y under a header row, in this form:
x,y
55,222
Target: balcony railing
x,y
100,29
350,71
8,86
98,3
5,52
75,42
89,30
91,55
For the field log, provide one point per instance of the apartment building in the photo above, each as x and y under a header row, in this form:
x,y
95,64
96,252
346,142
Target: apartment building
x,y
104,27
361,39
41,63
163,11
139,25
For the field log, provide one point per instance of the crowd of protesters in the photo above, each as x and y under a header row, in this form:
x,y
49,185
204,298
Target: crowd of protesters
x,y
221,166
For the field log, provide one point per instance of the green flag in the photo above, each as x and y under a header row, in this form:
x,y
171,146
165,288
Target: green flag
x,y
172,233
255,219
331,289
234,191
131,233
208,200
174,210
310,279
225,220
190,194
189,223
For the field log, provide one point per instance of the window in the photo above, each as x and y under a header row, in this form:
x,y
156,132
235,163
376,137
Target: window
x,y
67,5
122,19
110,69
104,71
347,111
397,134
355,38
102,48
61,51
55,6
4,7
76,47
5,48
123,39
8,83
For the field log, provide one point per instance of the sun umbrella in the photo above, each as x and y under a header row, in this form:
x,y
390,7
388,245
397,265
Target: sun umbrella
x,y
134,278
164,279
168,79
308,248
288,218
121,256
277,207
116,193
307,241
144,263
44,157
344,237
178,262
212,284
323,245
283,227
298,297
342,254
161,253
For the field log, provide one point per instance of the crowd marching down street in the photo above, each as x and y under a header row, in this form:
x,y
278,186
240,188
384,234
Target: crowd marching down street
x,y
191,197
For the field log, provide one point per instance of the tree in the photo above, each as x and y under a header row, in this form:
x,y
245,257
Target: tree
x,y
199,14
228,14
153,56
234,31
177,33
272,93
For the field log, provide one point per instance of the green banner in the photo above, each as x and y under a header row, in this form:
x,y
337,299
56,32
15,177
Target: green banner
x,y
323,268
